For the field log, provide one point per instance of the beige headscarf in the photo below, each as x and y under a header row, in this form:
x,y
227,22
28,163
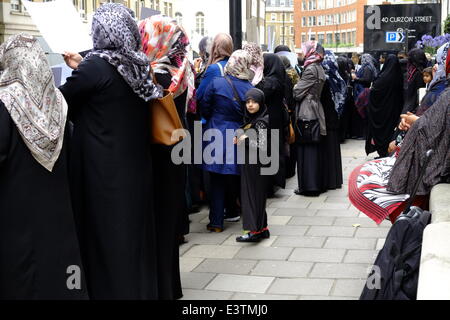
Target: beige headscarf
x,y
239,65
36,106
222,48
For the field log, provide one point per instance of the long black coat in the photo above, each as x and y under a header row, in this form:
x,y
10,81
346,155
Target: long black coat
x,y
112,182
38,240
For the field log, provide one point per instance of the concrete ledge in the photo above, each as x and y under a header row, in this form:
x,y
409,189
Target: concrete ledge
x,y
434,277
440,203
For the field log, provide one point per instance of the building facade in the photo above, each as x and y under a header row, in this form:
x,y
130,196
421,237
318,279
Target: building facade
x,y
14,19
336,24
202,18
280,24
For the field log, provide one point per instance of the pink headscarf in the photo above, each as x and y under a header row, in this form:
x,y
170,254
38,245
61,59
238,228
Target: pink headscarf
x,y
313,52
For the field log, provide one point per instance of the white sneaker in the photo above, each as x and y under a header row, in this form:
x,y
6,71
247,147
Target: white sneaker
x,y
232,219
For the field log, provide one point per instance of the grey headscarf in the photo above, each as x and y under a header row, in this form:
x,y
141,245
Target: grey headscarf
x,y
441,57
369,61
116,39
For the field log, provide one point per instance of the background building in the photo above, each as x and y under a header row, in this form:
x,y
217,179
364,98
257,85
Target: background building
x,y
209,17
336,24
280,23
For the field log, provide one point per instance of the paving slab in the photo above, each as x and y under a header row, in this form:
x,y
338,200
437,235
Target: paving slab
x,y
282,269
317,255
239,283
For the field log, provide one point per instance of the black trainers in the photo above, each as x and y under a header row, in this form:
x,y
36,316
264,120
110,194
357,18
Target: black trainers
x,y
250,237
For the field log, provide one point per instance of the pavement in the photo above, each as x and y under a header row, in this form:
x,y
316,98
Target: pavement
x,y
320,248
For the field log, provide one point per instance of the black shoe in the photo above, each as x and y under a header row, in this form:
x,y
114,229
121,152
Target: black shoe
x,y
307,193
250,237
265,234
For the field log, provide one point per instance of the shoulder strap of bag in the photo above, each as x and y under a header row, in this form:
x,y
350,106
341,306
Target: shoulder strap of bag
x,y
235,93
222,73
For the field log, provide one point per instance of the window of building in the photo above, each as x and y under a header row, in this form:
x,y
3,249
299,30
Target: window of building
x,y
157,5
344,37
354,38
273,17
329,4
82,8
314,21
337,38
291,17
304,22
321,38
170,10
200,23
282,3
292,31
303,38
329,38
179,18
15,5
304,6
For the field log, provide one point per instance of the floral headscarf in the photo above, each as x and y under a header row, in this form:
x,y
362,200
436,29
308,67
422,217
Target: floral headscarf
x,y
36,106
338,86
116,39
313,52
222,48
165,43
257,61
441,58
239,64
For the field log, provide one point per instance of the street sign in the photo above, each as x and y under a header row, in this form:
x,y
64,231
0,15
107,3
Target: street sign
x,y
395,37
380,21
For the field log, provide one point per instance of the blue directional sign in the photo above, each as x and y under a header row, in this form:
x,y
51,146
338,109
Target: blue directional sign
x,y
394,37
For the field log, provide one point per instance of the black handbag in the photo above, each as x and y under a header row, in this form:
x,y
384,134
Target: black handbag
x,y
308,131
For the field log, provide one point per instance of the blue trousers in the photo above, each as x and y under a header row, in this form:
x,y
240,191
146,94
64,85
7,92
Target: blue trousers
x,y
224,193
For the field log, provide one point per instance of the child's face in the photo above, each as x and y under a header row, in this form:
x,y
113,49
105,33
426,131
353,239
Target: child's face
x,y
427,77
252,106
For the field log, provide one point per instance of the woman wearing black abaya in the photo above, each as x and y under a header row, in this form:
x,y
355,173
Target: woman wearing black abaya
x,y
108,97
307,93
384,109
334,96
274,88
362,79
169,61
417,61
38,241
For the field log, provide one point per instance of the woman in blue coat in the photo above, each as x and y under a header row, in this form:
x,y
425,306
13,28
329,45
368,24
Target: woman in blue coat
x,y
222,108
222,48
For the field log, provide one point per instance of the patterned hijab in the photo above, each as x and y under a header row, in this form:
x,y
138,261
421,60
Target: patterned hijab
x,y
337,85
36,106
367,61
257,61
441,57
116,39
313,52
239,65
165,44
222,48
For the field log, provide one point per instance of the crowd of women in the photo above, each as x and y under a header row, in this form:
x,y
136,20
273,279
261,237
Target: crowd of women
x,y
402,127
91,209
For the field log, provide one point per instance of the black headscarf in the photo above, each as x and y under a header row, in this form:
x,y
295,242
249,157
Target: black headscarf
x,y
274,72
281,48
385,105
262,115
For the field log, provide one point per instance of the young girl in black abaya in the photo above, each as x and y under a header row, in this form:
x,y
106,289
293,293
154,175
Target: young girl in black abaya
x,y
253,183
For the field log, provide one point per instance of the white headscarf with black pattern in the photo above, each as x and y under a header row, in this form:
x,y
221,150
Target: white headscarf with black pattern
x,y
116,39
28,91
